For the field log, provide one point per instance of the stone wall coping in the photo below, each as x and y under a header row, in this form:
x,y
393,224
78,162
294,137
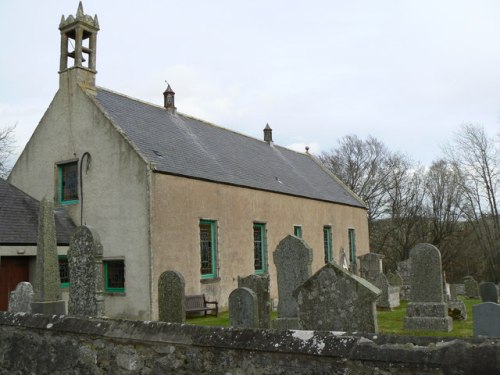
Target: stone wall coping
x,y
444,352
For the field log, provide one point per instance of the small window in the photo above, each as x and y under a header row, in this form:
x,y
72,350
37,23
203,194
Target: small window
x,y
68,183
114,276
297,231
327,243
208,249
259,248
352,246
64,271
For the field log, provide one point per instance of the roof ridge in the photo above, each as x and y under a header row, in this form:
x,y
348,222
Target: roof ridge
x,y
197,119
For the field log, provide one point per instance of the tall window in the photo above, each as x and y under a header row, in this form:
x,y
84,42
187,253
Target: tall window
x,y
68,183
352,246
327,243
297,231
114,276
64,271
259,248
208,249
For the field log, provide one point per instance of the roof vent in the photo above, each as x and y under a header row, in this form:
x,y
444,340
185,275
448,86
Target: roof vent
x,y
169,99
268,134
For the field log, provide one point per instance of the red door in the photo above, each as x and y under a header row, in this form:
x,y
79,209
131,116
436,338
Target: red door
x,y
13,270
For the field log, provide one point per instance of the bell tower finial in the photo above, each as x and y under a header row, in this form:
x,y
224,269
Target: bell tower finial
x,y
169,99
78,46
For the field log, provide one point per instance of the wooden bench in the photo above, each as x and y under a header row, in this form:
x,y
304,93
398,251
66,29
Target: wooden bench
x,y
197,303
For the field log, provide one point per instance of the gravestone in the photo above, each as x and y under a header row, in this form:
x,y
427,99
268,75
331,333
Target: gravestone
x,y
488,292
21,298
293,259
171,297
471,287
394,279
389,299
336,300
243,308
486,318
404,271
260,286
343,260
85,273
370,265
456,307
427,309
47,297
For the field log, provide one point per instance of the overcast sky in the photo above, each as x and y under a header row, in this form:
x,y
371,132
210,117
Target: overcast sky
x,y
406,72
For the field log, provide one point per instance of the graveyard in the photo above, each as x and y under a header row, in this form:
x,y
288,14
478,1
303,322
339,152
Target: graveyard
x,y
389,322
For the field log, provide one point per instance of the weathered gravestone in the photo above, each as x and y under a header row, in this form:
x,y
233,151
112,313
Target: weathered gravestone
x,y
427,309
293,259
486,318
20,299
456,308
47,284
171,297
260,286
343,260
471,287
243,308
85,273
404,271
488,292
370,265
389,299
335,300
394,279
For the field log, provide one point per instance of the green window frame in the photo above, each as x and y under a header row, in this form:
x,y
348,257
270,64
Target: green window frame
x,y
259,248
327,243
208,249
114,276
297,231
64,271
68,183
352,245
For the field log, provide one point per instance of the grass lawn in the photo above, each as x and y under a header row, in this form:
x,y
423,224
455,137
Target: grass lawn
x,y
389,322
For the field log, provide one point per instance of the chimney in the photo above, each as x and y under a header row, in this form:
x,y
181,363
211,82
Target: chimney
x,y
268,134
169,100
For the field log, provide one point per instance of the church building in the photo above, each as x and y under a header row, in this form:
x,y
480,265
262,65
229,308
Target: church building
x,y
167,191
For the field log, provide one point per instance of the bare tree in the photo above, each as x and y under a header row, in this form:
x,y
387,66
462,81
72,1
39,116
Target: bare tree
x,y
363,167
6,150
475,157
443,203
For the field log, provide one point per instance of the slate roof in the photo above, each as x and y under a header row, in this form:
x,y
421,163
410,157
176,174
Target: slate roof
x,y
19,218
182,145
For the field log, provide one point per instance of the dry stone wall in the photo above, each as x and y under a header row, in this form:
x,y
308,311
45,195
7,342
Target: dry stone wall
x,y
43,344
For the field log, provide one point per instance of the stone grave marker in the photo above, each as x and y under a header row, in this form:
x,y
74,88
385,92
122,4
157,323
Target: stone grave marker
x,y
486,318
171,297
427,309
243,308
336,300
293,259
370,265
85,273
21,298
488,292
47,297
471,287
404,270
394,279
389,299
260,286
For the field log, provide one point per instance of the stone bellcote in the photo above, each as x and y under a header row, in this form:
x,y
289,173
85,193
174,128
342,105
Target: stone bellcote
x,y
268,134
78,49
